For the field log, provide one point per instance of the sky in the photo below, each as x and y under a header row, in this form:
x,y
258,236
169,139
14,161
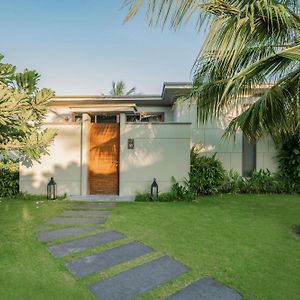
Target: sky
x,y
80,46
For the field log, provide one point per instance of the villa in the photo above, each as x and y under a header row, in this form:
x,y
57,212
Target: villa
x,y
109,145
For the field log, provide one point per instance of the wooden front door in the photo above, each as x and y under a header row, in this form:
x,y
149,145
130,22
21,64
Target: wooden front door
x,y
104,158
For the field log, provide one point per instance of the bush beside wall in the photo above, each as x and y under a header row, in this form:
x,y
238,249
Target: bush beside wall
x,y
9,178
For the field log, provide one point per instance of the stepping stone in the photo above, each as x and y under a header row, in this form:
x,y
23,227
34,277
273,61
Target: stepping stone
x,y
62,233
136,281
86,213
84,243
91,264
206,289
77,221
43,228
94,205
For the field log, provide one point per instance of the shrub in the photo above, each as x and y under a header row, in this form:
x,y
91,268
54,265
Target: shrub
x,y
289,162
262,181
178,192
206,175
9,178
233,182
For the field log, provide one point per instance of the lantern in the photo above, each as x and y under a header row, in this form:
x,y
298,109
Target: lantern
x,y
51,190
154,189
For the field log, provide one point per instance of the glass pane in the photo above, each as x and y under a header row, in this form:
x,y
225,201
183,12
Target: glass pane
x,y
104,118
152,117
249,157
133,118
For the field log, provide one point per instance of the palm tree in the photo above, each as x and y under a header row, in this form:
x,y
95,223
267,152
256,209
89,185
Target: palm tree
x,y
248,43
118,89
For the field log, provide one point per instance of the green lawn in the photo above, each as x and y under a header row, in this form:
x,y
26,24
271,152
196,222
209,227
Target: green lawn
x,y
244,241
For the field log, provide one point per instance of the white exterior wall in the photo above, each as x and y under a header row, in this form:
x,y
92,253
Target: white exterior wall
x,y
229,151
64,163
161,151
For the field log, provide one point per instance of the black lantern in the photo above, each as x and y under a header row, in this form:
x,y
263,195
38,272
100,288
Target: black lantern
x,y
51,190
154,189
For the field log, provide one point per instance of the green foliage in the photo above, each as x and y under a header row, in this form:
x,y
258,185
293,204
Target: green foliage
x,y
248,43
259,182
177,192
233,182
206,175
22,108
9,178
289,159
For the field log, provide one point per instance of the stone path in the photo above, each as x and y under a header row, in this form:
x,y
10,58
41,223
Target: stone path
x,y
130,283
206,289
86,213
85,243
61,220
134,282
62,233
91,264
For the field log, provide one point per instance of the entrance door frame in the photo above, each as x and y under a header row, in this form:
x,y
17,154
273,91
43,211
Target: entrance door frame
x,y
88,150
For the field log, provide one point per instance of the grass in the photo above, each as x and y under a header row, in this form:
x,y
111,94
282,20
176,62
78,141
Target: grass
x,y
27,269
245,241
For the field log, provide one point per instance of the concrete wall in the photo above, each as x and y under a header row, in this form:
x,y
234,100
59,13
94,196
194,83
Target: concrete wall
x,y
63,163
229,151
161,151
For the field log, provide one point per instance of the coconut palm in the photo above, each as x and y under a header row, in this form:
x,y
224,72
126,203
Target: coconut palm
x,y
248,43
118,89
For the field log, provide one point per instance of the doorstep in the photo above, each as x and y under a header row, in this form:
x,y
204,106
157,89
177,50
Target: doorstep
x,y
101,198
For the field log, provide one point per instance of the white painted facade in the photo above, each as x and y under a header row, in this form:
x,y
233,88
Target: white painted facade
x,y
161,149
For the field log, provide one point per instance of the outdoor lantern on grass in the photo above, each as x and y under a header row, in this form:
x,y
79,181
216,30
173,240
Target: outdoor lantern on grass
x,y
154,189
51,190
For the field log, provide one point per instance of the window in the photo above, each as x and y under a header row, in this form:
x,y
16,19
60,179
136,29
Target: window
x,y
104,118
146,117
77,117
249,156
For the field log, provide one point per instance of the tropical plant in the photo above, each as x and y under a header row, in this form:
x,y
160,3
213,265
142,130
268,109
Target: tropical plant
x,y
206,174
289,159
9,178
22,109
118,89
249,43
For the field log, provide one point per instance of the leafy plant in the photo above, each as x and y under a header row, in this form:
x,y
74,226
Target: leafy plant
x,y
9,178
289,159
22,108
233,182
206,175
177,192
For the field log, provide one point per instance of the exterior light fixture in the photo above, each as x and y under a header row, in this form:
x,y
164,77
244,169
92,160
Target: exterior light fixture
x,y
52,189
154,189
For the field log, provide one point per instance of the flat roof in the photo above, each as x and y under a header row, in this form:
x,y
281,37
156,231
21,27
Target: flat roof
x,y
171,91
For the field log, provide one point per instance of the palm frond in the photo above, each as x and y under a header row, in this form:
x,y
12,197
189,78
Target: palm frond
x,y
274,112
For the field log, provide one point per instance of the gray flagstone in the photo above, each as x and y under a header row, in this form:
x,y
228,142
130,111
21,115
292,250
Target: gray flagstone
x,y
206,289
91,264
94,205
61,220
134,282
62,233
84,243
86,213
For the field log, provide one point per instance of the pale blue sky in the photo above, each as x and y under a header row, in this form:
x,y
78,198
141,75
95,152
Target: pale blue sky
x,y
80,46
